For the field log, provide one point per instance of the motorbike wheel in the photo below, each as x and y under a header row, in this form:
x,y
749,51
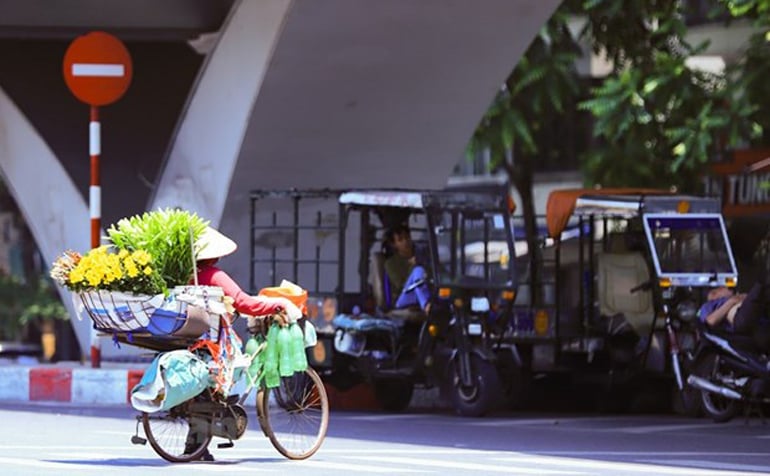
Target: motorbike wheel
x,y
479,397
720,409
393,395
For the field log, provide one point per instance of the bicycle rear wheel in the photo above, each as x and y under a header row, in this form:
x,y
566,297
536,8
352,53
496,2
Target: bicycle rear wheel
x,y
295,415
176,435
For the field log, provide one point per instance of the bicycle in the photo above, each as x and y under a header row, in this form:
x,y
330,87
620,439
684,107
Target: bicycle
x,y
294,416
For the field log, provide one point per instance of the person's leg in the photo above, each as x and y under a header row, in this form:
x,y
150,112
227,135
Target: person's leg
x,y
419,295
750,311
406,299
195,435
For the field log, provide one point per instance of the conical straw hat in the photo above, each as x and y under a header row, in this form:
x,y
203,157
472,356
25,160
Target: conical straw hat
x,y
213,244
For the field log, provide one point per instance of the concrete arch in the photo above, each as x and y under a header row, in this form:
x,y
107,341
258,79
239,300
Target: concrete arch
x,y
53,208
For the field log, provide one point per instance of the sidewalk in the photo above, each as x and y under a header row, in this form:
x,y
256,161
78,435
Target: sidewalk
x,y
76,383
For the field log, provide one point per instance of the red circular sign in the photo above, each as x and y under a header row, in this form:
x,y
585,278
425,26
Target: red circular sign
x,y
97,68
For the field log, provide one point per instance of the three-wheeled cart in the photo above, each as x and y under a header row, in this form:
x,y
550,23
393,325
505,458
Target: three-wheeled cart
x,y
335,239
622,273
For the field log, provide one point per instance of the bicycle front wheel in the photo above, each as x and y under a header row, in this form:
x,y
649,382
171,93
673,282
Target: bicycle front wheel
x,y
176,435
295,415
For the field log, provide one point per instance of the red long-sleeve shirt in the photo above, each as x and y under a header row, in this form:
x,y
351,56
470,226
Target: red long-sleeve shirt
x,y
244,303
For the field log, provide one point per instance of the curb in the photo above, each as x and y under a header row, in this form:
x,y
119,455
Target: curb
x,y
67,385
82,385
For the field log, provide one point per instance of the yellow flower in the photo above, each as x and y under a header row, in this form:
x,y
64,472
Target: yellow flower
x,y
142,257
131,269
107,268
76,275
94,277
132,272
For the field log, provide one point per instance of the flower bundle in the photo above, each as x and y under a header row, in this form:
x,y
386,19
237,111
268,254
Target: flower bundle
x,y
99,269
167,235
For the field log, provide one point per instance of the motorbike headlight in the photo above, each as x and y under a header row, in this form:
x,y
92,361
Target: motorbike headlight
x,y
480,304
686,311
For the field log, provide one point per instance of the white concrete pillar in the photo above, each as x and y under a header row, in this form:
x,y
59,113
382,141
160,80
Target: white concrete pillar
x,y
198,169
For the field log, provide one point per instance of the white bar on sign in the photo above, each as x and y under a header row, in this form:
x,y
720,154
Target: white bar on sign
x,y
95,201
98,69
94,138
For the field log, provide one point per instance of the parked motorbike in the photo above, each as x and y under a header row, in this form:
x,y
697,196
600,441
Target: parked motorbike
x,y
731,372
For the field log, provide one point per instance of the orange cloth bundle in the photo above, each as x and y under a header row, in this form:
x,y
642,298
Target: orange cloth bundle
x,y
290,291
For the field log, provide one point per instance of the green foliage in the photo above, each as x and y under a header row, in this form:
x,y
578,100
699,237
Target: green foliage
x,y
41,302
167,235
658,122
750,72
26,303
541,87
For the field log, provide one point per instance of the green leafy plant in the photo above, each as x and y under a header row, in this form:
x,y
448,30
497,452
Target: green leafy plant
x,y
42,303
22,304
167,235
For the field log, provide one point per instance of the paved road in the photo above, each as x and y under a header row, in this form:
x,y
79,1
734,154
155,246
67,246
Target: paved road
x,y
49,440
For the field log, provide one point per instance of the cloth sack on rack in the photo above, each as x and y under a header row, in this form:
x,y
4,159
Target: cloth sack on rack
x,y
172,378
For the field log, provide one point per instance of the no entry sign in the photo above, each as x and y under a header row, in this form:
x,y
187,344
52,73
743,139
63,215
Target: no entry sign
x,y
97,68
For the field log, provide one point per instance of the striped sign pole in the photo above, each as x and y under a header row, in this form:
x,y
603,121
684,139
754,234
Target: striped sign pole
x,y
95,190
95,211
97,70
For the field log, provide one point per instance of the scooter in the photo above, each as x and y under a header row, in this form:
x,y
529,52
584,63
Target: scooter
x,y
730,371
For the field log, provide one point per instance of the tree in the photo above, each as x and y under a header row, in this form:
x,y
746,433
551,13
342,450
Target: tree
x,y
752,69
542,87
658,120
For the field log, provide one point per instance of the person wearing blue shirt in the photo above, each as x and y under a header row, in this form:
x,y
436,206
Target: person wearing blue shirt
x,y
736,313
405,270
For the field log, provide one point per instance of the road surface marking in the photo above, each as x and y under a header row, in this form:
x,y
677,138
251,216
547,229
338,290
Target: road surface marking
x,y
219,466
380,417
699,463
356,467
482,467
538,421
49,464
652,453
640,430
618,466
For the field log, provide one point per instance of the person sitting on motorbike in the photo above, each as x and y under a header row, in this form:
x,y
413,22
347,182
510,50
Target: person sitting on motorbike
x,y
210,247
736,313
405,271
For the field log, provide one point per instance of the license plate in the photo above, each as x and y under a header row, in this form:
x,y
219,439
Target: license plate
x,y
474,329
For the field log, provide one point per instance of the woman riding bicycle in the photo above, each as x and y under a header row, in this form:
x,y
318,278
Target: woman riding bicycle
x,y
210,247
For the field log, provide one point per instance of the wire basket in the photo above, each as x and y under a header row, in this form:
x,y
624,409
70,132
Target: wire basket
x,y
187,311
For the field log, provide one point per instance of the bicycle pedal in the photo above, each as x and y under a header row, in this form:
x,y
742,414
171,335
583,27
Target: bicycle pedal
x,y
229,444
138,440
